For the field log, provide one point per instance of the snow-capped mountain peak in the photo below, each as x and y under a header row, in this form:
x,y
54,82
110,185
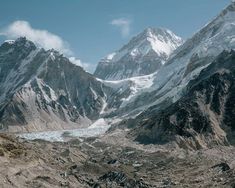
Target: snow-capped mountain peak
x,y
142,55
162,41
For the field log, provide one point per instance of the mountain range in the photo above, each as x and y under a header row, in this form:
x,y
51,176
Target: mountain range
x,y
162,88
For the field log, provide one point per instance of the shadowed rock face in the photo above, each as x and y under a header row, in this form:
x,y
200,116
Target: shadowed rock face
x,y
204,116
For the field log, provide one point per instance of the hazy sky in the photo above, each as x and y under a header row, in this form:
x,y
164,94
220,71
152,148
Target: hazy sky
x,y
91,29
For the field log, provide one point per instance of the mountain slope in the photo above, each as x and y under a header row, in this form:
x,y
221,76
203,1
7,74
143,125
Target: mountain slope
x,y
189,59
143,55
203,117
43,90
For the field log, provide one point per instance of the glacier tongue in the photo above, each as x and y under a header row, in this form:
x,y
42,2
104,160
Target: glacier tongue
x,y
97,128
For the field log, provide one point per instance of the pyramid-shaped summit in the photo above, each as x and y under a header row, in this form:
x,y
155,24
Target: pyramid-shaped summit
x,y
142,55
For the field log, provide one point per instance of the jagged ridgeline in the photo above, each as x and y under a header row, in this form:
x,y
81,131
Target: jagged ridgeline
x,y
43,90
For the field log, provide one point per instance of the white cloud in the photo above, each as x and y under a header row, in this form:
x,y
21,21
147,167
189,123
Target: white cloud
x,y
87,66
123,24
42,38
78,62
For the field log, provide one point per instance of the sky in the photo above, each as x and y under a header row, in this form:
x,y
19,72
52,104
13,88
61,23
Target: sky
x,y
88,30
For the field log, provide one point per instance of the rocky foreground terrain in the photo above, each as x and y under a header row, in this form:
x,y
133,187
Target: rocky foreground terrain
x,y
111,161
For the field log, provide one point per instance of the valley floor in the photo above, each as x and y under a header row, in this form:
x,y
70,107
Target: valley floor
x,y
111,161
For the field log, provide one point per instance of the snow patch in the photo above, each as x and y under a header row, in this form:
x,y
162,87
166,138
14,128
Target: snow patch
x,y
110,56
99,123
9,41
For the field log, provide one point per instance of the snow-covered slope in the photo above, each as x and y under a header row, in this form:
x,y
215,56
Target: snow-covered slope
x,y
143,55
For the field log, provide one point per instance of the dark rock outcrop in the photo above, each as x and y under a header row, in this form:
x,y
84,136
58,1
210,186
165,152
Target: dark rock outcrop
x,y
121,180
222,166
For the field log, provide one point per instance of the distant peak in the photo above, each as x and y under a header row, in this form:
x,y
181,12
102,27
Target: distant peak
x,y
53,51
157,31
149,50
149,30
23,41
162,41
